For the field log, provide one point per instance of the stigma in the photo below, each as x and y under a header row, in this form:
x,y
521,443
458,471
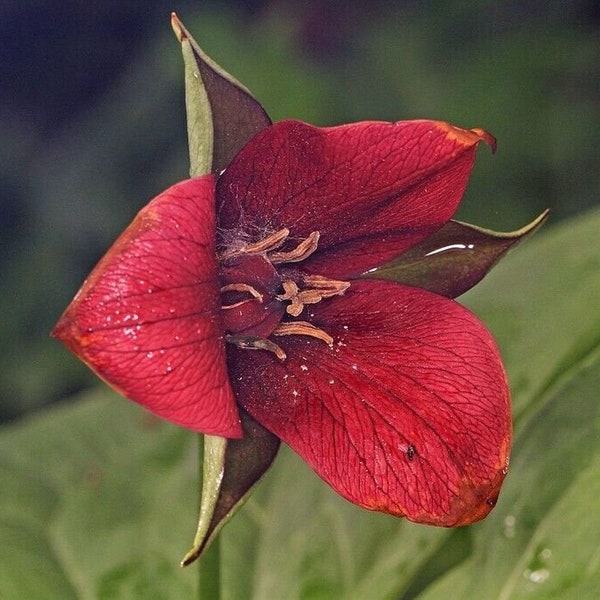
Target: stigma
x,y
264,291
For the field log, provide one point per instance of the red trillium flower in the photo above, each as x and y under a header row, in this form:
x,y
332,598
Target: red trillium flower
x,y
247,291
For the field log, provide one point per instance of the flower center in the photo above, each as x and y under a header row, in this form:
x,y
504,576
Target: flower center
x,y
263,292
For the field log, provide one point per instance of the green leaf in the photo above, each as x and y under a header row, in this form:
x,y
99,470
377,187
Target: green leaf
x,y
541,303
96,503
455,258
96,496
542,539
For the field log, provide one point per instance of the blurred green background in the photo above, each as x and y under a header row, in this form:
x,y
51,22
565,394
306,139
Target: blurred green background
x,y
92,122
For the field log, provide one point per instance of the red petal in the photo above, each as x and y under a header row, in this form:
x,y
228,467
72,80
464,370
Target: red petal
x,y
408,413
147,319
371,189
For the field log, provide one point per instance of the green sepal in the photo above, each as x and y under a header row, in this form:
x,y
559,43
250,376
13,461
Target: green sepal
x,y
222,116
231,470
455,258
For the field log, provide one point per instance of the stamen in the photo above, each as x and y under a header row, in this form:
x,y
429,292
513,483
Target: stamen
x,y
302,251
271,242
291,291
242,287
302,328
256,343
322,287
298,291
325,286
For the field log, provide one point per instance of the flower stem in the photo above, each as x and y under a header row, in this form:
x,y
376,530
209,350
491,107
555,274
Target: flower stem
x,y
209,583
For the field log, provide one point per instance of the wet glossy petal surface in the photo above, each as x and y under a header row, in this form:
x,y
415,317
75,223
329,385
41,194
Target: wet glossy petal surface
x,y
371,189
148,318
407,413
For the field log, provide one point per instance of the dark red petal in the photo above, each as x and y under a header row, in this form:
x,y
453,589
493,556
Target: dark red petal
x,y
408,413
147,319
371,189
242,313
252,318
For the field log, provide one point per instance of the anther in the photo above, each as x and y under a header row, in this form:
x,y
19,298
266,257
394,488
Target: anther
x,y
256,343
325,286
318,287
271,242
302,328
301,252
242,287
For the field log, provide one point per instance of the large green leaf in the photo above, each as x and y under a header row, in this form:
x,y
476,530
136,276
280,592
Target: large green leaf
x,y
97,498
542,541
542,305
96,502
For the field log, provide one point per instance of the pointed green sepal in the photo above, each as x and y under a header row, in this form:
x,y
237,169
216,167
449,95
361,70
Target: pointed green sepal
x,y
455,258
198,110
222,117
212,459
235,115
231,470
